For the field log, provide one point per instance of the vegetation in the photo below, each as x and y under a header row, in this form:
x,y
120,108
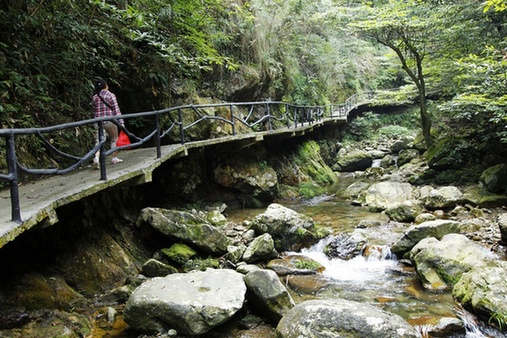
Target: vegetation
x,y
161,53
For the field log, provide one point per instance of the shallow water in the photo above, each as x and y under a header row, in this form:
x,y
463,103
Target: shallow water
x,y
386,283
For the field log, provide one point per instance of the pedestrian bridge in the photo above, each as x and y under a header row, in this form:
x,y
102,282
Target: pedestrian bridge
x,y
33,204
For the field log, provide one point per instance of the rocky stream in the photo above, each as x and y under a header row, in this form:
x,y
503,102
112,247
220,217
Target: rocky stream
x,y
375,255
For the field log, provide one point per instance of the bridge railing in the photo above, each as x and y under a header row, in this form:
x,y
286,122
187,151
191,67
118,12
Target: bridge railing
x,y
172,125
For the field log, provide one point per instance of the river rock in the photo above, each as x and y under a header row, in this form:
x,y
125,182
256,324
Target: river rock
x,y
484,289
306,284
416,233
289,229
406,211
261,248
268,295
155,268
443,197
355,189
186,227
345,246
441,263
342,318
295,265
354,160
494,179
407,155
191,303
384,195
502,224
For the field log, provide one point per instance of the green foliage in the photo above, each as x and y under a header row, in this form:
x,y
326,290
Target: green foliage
x,y
309,189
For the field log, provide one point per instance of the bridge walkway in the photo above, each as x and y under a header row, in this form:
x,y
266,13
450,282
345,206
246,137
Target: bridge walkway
x,y
39,199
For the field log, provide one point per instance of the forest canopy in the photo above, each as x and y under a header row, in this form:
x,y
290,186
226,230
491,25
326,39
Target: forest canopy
x,y
160,53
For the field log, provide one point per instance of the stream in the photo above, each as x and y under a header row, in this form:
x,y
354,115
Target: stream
x,y
379,279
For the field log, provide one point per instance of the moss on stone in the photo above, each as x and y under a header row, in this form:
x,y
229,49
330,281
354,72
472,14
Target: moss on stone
x,y
179,253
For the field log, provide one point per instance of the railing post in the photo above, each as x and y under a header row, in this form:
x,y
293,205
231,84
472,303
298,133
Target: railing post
x,y
232,121
287,112
102,151
13,174
182,129
270,127
157,136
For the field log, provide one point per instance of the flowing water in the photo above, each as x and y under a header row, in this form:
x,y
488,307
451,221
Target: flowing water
x,y
379,279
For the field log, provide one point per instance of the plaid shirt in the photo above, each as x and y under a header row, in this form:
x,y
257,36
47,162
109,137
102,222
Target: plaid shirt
x,y
100,109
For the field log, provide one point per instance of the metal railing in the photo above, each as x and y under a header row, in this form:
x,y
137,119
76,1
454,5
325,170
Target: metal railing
x,y
176,125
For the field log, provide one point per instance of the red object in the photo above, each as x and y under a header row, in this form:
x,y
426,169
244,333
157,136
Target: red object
x,y
123,139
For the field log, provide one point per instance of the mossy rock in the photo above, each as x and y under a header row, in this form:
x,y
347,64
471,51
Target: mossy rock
x,y
201,264
179,253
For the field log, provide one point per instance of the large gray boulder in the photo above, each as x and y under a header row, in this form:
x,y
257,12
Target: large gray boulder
x,y
441,263
443,197
385,195
261,248
484,290
494,179
326,318
289,229
354,160
187,227
414,234
191,303
406,211
268,295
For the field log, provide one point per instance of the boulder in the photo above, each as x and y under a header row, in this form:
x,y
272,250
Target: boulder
x,y
443,197
502,224
345,246
289,229
414,234
494,179
155,268
295,265
484,290
261,248
441,263
268,295
406,211
407,155
191,303
186,227
384,195
354,160
342,318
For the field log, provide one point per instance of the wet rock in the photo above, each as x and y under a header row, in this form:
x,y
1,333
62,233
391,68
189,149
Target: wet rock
x,y
261,248
355,189
345,246
246,268
342,318
416,233
268,295
384,195
294,265
191,303
289,229
235,252
441,263
156,268
187,227
306,284
483,289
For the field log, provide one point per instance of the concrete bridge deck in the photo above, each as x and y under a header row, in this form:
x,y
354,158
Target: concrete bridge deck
x,y
40,199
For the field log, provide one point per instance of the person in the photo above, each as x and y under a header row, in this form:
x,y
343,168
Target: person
x,y
105,104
